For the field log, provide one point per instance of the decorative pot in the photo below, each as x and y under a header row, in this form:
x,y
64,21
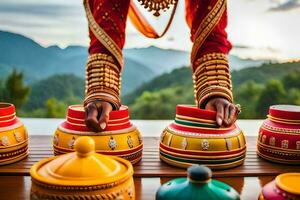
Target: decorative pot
x,y
284,187
83,174
195,138
198,185
120,138
13,136
279,135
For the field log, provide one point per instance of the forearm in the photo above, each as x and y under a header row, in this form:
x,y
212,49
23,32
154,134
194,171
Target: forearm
x,y
211,74
107,21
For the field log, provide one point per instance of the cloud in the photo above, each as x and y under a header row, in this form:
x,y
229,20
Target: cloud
x,y
286,6
50,10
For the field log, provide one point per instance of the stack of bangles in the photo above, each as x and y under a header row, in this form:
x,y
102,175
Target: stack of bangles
x,y
212,78
103,80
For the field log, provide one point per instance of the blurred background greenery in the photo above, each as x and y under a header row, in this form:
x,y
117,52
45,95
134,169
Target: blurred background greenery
x,y
255,88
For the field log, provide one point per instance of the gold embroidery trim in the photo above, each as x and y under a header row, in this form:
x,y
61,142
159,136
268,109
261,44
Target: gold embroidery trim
x,y
207,26
102,36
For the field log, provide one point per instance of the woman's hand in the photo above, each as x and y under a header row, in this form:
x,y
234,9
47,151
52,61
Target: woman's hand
x,y
97,115
227,112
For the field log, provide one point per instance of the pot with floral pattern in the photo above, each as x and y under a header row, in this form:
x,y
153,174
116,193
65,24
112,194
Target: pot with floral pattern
x,y
120,138
13,136
279,135
195,138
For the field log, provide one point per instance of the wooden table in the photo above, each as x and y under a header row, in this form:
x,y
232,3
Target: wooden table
x,y
150,173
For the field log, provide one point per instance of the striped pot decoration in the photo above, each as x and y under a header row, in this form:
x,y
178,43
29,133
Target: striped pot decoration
x,y
195,138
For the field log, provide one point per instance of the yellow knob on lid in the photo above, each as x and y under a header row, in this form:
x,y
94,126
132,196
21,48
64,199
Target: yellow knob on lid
x,y
84,146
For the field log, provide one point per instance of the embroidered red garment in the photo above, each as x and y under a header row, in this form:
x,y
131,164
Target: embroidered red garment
x,y
111,15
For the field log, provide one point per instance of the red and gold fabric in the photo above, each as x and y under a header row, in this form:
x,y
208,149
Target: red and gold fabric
x,y
107,21
207,20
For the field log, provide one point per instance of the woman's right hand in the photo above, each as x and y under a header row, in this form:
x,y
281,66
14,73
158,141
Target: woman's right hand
x,y
97,115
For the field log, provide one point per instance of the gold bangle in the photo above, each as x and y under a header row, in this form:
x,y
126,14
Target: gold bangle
x,y
115,101
201,70
92,90
208,65
103,63
211,77
102,67
210,89
212,56
102,56
214,89
205,83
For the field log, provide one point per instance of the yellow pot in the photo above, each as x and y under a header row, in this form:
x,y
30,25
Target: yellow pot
x,y
83,174
121,138
195,138
13,136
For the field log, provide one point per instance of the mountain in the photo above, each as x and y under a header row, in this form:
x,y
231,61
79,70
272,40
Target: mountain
x,y
141,65
182,77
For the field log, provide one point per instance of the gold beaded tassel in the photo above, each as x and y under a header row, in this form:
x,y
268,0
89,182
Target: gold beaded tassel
x,y
103,80
157,5
212,78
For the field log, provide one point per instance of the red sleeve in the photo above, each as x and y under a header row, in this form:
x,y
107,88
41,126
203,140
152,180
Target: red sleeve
x,y
107,21
111,16
208,21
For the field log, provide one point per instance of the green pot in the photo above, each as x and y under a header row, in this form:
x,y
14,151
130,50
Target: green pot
x,y
197,186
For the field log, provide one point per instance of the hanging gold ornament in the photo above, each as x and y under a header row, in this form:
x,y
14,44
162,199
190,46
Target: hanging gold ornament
x,y
157,5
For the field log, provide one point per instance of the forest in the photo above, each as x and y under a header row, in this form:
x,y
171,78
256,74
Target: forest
x,y
255,88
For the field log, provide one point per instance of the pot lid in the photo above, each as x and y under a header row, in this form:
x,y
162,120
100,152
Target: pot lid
x,y
118,119
82,168
7,115
289,182
191,119
198,185
285,112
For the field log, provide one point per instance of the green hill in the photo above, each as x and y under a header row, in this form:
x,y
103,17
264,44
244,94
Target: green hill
x,y
157,99
265,72
67,88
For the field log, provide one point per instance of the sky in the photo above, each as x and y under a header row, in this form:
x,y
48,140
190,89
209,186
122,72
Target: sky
x,y
258,29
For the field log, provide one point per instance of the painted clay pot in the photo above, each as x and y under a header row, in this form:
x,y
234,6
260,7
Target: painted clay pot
x,y
279,135
120,138
13,136
195,138
83,174
198,185
284,187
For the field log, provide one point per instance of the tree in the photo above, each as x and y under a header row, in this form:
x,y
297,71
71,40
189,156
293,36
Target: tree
x,y
15,91
161,104
292,80
273,93
247,95
55,108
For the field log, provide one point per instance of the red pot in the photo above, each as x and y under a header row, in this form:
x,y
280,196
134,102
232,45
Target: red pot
x,y
120,137
284,187
117,119
279,135
7,115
